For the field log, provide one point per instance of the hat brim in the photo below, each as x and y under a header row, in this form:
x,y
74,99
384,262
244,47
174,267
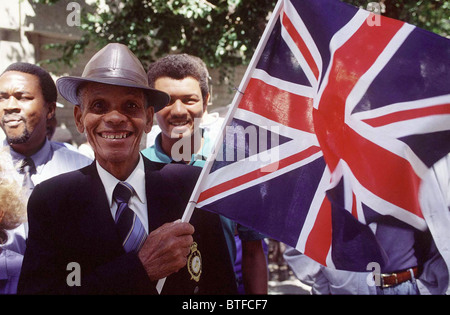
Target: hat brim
x,y
68,88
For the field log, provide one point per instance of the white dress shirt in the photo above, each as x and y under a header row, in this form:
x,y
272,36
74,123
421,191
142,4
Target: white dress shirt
x,y
138,201
51,160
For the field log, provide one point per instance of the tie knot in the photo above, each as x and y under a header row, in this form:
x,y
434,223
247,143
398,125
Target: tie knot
x,y
123,192
28,166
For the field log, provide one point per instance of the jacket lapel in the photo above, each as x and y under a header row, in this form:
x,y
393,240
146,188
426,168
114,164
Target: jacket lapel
x,y
99,211
154,206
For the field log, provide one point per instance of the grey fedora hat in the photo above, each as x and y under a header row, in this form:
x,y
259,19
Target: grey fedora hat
x,y
114,64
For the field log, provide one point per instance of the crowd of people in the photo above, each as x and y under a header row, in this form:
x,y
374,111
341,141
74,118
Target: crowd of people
x,y
117,213
117,216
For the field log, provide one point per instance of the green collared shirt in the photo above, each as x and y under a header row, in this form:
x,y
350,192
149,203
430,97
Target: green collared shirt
x,y
155,152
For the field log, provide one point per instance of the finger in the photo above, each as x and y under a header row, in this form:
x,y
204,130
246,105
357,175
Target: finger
x,y
177,228
185,241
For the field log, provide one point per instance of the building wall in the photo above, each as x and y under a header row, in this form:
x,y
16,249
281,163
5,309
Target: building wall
x,y
14,45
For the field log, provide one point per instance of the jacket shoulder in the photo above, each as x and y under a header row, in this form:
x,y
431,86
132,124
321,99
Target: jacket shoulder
x,y
70,178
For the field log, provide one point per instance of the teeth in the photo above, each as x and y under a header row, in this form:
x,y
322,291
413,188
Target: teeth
x,y
122,135
179,123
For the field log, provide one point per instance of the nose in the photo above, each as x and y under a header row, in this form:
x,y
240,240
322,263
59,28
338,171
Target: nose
x,y
114,117
178,109
11,105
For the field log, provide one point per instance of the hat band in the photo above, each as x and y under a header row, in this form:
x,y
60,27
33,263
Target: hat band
x,y
105,73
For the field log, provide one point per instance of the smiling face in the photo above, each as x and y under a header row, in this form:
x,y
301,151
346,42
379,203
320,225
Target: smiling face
x,y
186,107
23,111
114,119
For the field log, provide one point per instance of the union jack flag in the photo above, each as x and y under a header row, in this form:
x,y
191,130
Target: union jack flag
x,y
349,115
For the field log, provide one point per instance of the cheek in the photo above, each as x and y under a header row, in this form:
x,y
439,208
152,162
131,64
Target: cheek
x,y
162,116
139,125
35,119
35,111
196,111
89,123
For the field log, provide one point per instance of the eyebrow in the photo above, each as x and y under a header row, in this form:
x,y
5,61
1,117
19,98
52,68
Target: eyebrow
x,y
185,95
15,92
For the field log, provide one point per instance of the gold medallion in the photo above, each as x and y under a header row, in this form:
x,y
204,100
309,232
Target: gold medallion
x,y
194,263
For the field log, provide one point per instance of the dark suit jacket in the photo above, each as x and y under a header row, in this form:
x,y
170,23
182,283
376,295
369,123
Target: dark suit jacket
x,y
70,221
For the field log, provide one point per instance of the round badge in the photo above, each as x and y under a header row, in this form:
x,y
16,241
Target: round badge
x,y
194,263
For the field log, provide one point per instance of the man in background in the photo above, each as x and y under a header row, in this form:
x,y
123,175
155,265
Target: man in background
x,y
185,79
27,104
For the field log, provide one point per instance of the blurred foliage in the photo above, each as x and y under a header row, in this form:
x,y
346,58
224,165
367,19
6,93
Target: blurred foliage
x,y
224,33
221,32
432,15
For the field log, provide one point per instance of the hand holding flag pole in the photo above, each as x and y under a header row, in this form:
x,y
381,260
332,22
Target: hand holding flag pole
x,y
218,142
350,123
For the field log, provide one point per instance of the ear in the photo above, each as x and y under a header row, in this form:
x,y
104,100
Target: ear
x,y
51,110
150,111
206,101
78,115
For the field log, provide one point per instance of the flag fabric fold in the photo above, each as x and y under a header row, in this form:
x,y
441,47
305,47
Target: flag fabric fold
x,y
335,124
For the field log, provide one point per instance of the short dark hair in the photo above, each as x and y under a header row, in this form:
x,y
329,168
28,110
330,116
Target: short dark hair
x,y
46,82
178,67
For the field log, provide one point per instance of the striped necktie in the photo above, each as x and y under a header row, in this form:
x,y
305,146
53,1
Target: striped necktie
x,y
27,169
130,228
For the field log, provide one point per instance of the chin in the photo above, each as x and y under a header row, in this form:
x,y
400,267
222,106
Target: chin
x,y
117,156
179,135
178,132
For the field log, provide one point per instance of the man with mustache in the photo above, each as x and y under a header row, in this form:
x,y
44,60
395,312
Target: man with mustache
x,y
27,102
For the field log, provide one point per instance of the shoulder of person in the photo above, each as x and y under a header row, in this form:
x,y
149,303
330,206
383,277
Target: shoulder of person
x,y
68,150
69,180
173,170
172,178
182,170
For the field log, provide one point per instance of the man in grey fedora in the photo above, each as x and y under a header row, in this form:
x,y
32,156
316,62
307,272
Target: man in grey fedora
x,y
112,227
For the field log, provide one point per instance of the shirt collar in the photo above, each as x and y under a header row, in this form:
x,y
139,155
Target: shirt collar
x,y
136,179
159,152
40,158
204,152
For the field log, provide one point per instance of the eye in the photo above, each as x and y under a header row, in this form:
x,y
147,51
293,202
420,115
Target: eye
x,y
133,105
97,106
23,96
192,100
